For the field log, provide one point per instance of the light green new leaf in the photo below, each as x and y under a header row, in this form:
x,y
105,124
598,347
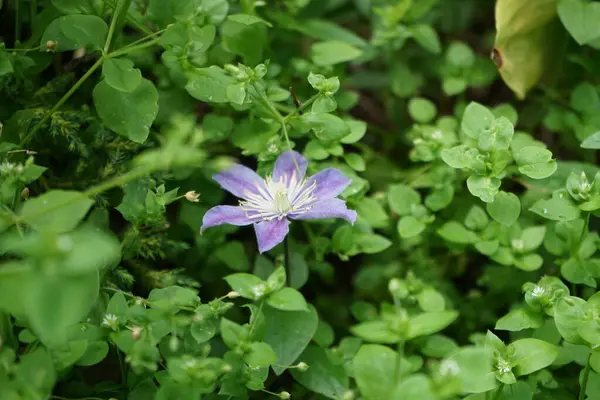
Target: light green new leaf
x,y
505,208
531,355
484,187
375,371
334,52
209,84
519,319
402,198
535,162
120,74
128,114
581,18
476,120
430,322
287,299
559,208
592,141
84,30
322,376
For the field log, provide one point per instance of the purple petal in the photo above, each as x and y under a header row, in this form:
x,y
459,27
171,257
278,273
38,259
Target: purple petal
x,y
330,183
285,165
271,233
238,179
328,208
220,215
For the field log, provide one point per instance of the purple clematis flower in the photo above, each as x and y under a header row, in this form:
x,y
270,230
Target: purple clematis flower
x,y
268,203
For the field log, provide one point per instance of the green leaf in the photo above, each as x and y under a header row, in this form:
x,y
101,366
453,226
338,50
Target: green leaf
x,y
519,319
375,371
568,316
505,208
333,52
430,322
236,93
476,119
484,187
323,104
402,198
475,366
322,376
371,243
209,84
421,110
260,355
232,333
531,355
417,386
245,36
87,31
427,37
120,74
247,285
409,226
287,299
581,19
327,127
94,353
498,137
431,300
527,42
559,208
5,64
73,6
205,328
476,219
288,333
36,368
117,305
128,114
460,156
233,255
533,237
454,232
592,142
375,331
172,298
355,161
56,211
54,303
325,30
535,162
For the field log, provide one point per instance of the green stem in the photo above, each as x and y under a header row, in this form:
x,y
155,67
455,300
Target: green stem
x,y
253,324
113,23
63,99
128,50
17,21
132,20
301,108
286,255
399,357
498,393
586,376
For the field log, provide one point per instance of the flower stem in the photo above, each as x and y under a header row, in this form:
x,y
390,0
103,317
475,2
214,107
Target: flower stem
x,y
586,376
286,255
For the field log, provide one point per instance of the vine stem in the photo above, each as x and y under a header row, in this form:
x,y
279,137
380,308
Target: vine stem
x,y
586,376
288,270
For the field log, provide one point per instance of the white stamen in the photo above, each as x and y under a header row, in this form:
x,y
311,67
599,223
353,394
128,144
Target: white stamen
x,y
278,199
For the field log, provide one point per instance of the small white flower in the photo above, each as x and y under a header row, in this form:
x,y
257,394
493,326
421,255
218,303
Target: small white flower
x,y
6,167
259,290
192,196
437,135
537,291
189,364
517,244
449,367
503,366
110,321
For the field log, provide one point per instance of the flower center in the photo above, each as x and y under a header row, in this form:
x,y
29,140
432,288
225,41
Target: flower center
x,y
278,199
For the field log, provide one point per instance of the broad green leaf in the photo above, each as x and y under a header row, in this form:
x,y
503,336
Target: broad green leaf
x,y
431,300
476,369
519,319
505,208
476,219
417,386
128,114
209,84
247,285
498,137
375,331
402,198
531,355
421,110
260,355
322,376
371,243
559,208
568,316
73,6
454,232
526,42
333,52
430,322
120,74
325,30
233,255
427,37
535,162
484,187
84,30
56,211
533,237
592,142
327,127
167,12
476,120
5,64
94,353
287,299
581,19
375,371
172,298
232,333
288,333
409,226
460,156
245,36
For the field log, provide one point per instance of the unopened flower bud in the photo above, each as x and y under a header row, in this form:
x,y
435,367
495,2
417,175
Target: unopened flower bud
x,y
192,196
174,343
25,193
226,368
285,395
233,295
302,366
51,46
348,395
136,332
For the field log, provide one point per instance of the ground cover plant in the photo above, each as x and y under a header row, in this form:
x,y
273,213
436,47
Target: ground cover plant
x,y
307,199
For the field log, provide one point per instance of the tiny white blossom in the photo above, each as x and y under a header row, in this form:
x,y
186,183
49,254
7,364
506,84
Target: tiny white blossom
x,y
503,366
259,290
517,244
189,364
449,367
437,135
537,291
110,321
6,167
